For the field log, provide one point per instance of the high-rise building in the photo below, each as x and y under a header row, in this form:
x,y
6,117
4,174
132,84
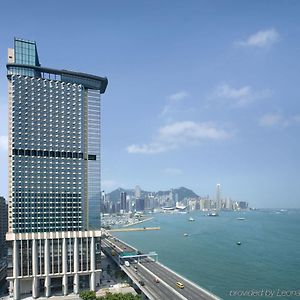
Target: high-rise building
x,y
218,196
140,204
3,227
138,192
123,200
54,176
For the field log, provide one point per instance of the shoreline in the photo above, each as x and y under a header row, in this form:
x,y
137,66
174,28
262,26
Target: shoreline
x,y
138,222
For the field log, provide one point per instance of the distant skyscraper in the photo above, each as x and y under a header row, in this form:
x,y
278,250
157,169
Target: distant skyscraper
x,y
138,192
123,200
243,205
54,175
140,204
3,227
218,196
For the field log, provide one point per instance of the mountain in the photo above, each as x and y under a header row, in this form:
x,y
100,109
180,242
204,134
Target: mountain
x,y
185,193
182,192
114,196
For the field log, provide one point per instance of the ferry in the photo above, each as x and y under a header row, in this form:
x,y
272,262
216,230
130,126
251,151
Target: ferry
x,y
213,214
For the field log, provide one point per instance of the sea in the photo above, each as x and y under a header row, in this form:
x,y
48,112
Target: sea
x,y
266,265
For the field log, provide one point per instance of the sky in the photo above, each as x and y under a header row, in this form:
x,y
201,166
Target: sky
x,y
199,93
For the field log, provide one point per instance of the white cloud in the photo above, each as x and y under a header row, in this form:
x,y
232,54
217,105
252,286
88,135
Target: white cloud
x,y
179,134
173,103
263,38
239,97
270,119
275,119
172,171
3,143
178,96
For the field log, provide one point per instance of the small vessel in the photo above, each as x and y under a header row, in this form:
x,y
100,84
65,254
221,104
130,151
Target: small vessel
x,y
191,219
213,214
241,219
238,243
186,234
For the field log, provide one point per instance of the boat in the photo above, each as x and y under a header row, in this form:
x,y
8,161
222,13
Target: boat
x,y
213,214
241,219
186,234
238,243
191,219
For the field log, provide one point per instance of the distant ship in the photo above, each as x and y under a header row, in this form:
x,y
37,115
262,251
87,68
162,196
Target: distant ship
x,y
213,214
191,219
241,219
186,234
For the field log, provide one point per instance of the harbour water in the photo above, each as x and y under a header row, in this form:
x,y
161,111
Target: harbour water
x,y
266,264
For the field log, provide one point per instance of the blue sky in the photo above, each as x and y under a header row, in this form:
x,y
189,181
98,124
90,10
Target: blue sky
x,y
200,92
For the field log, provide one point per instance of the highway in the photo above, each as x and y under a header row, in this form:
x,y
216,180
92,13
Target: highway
x,y
150,288
148,270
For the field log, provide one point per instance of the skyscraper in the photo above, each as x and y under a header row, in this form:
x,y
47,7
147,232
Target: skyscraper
x,y
218,196
138,192
123,200
3,227
54,175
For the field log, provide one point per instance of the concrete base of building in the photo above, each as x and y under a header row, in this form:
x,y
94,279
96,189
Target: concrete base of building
x,y
55,263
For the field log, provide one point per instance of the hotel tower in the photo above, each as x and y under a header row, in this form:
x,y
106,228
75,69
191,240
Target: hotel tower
x,y
54,177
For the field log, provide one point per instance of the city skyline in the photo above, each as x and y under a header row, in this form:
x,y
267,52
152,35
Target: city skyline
x,y
200,93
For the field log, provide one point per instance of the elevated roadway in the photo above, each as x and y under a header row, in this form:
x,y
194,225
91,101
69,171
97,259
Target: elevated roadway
x,y
155,280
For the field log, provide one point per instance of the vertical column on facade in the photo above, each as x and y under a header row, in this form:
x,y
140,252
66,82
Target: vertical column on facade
x,y
35,280
47,269
64,267
76,269
16,271
93,265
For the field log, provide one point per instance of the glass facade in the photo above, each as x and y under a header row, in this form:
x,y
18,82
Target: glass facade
x,y
54,139
94,188
26,52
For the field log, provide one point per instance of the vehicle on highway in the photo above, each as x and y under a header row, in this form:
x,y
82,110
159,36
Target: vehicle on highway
x,y
180,285
113,252
127,264
142,283
156,280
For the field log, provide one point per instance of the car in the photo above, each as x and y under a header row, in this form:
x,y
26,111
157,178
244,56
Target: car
x,y
156,280
135,266
142,283
127,264
180,284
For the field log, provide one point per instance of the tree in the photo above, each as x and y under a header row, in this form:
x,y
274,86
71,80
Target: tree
x,y
120,296
87,295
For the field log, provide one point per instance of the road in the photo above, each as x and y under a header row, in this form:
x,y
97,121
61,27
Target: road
x,y
148,270
151,289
